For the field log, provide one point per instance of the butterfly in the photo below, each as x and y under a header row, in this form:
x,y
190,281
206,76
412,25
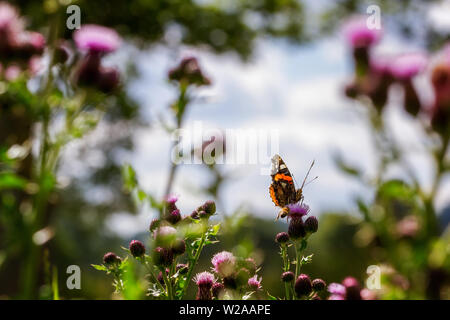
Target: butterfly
x,y
282,189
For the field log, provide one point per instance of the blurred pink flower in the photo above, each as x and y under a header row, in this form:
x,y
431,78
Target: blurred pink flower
x,y
204,279
12,72
224,263
95,38
406,66
358,33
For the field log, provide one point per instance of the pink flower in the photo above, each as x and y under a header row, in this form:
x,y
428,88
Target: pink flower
x,y
224,263
12,72
172,199
95,38
358,33
204,279
254,283
336,297
9,18
297,210
336,289
406,66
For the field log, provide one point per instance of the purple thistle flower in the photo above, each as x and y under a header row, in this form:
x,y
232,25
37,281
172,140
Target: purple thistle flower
x,y
204,281
406,66
95,38
224,263
254,283
174,217
352,289
297,210
358,33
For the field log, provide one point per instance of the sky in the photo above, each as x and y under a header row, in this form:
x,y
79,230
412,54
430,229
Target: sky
x,y
296,91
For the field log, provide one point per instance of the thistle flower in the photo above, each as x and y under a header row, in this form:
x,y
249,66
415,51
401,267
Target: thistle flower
x,y
95,38
303,285
406,66
352,289
287,276
282,238
204,281
297,210
358,33
160,277
254,283
336,289
170,203
137,248
224,263
189,72
111,258
318,284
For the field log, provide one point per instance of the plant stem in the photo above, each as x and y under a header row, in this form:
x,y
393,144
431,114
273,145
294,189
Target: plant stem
x,y
194,262
168,285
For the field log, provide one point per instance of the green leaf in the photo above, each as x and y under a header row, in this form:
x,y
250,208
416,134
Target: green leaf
x,y
129,177
99,267
11,181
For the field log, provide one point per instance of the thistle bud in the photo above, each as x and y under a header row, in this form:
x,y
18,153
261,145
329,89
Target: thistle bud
x,y
209,207
174,217
137,248
162,257
111,258
318,284
303,285
287,276
282,238
311,224
296,229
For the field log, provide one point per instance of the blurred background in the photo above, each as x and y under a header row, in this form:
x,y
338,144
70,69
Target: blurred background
x,y
274,65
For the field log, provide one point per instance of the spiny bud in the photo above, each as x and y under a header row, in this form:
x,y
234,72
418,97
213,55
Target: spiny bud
x,y
137,248
303,285
287,276
203,215
111,258
282,237
311,224
162,256
318,284
209,207
174,217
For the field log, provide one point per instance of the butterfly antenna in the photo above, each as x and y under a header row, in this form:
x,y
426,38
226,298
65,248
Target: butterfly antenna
x,y
307,174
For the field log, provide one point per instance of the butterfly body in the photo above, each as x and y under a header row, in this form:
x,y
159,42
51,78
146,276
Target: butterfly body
x,y
282,190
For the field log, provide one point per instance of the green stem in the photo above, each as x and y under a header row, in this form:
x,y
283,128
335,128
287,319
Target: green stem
x,y
285,268
168,285
194,262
